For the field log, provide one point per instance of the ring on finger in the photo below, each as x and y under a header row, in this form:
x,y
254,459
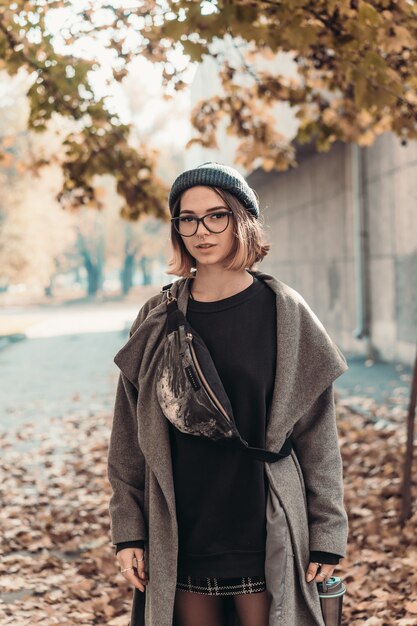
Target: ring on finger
x,y
135,558
126,569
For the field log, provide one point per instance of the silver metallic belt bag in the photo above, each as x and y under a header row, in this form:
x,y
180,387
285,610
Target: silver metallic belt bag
x,y
190,392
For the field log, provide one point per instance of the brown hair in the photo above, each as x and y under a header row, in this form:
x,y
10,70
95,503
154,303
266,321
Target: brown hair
x,y
248,248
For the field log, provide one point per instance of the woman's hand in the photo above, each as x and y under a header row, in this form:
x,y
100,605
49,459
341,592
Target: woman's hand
x,y
132,567
324,573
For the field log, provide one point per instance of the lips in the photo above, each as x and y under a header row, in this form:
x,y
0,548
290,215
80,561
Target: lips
x,y
205,246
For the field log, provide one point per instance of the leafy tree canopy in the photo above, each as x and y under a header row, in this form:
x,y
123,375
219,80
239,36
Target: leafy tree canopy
x,y
62,84
356,69
355,77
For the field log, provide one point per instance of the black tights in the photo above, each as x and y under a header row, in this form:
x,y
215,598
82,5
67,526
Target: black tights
x,y
196,609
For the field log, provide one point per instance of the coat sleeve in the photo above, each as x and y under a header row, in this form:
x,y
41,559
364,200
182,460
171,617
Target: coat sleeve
x,y
125,462
316,445
126,468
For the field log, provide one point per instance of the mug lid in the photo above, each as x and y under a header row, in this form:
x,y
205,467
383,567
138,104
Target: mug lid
x,y
333,585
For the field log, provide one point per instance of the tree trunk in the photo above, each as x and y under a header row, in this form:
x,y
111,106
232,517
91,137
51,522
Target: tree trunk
x,y
408,460
126,275
95,274
145,265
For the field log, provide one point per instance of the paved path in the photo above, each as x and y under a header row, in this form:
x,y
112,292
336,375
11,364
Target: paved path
x,y
385,383
66,365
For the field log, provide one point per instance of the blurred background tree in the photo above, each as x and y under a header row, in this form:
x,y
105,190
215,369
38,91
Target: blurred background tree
x,y
35,237
59,45
354,78
39,242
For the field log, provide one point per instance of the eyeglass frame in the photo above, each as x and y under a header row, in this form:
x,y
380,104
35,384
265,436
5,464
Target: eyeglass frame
x,y
199,220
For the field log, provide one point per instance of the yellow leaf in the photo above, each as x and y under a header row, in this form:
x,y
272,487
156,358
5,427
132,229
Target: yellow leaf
x,y
368,13
411,607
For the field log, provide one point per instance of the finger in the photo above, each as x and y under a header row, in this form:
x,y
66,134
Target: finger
x,y
132,578
324,574
139,563
311,571
139,553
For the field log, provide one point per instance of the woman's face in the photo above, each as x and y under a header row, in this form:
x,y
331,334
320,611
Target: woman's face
x,y
200,201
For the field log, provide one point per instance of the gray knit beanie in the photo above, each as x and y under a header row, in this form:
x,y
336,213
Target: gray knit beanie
x,y
213,174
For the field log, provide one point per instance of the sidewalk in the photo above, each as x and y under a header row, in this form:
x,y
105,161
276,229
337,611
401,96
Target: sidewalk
x,y
21,320
378,383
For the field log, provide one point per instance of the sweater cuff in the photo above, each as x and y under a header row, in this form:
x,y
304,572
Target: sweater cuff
x,y
324,557
140,543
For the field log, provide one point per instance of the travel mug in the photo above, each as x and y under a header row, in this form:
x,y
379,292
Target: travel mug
x,y
331,594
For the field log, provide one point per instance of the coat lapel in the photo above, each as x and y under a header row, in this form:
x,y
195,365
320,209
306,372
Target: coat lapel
x,y
138,360
308,361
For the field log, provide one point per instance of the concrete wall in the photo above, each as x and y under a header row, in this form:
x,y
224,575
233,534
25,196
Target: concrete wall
x,y
390,172
309,214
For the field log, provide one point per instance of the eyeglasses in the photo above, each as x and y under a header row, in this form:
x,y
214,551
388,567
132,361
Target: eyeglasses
x,y
187,225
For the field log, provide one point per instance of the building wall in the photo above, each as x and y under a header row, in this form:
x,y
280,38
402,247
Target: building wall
x,y
390,172
309,215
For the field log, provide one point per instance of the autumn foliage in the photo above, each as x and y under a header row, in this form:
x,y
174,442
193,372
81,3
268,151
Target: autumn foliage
x,y
61,84
355,70
354,77
57,564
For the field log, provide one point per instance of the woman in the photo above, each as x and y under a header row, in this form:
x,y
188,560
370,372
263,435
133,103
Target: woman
x,y
206,535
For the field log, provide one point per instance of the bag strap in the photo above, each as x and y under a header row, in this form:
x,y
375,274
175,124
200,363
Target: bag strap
x,y
175,317
260,454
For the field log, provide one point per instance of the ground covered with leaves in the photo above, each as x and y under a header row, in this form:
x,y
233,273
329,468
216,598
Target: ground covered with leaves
x,y
57,564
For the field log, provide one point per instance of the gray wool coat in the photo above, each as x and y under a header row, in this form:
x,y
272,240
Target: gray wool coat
x,y
305,508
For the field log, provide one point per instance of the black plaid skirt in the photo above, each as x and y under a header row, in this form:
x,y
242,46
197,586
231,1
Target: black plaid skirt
x,y
221,586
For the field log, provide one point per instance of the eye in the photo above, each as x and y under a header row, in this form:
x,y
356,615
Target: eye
x,y
217,216
186,220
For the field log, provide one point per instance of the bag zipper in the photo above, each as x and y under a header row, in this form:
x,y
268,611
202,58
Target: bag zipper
x,y
203,379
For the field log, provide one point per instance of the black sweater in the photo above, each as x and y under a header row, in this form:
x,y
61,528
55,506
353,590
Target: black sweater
x,y
221,494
